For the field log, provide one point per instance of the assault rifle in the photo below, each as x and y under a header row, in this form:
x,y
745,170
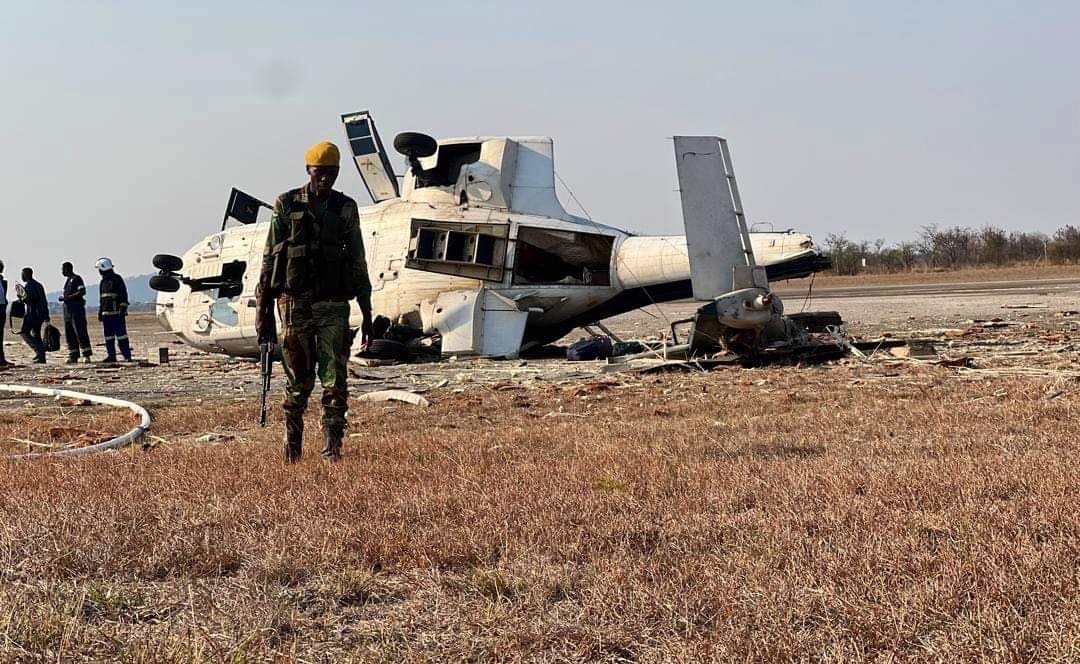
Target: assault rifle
x,y
266,367
267,345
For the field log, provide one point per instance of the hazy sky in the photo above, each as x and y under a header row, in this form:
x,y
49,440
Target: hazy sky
x,y
124,125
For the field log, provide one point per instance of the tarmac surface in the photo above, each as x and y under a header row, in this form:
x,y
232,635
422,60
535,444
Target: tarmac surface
x,y
877,310
977,319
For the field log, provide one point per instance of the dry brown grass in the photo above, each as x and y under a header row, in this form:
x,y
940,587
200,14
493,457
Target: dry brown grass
x,y
44,425
813,514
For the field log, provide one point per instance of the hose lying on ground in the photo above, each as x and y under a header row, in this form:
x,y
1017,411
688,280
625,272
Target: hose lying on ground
x,y
113,443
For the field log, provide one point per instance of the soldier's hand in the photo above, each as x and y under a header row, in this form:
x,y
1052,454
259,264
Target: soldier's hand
x,y
365,331
265,325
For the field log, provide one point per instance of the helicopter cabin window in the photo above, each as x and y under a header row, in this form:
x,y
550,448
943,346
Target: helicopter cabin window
x,y
547,256
447,168
477,251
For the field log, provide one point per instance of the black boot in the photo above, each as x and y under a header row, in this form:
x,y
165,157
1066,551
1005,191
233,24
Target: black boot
x,y
332,448
110,351
125,348
294,438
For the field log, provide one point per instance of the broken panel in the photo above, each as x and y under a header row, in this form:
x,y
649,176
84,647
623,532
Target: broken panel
x,y
478,322
548,256
243,208
370,156
476,251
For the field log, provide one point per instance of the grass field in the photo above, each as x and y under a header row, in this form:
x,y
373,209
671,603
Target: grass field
x,y
828,514
48,426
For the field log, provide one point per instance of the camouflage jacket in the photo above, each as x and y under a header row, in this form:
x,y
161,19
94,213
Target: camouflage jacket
x,y
315,248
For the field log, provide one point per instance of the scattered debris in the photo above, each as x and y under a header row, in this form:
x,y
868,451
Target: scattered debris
x,y
964,361
395,395
215,437
988,324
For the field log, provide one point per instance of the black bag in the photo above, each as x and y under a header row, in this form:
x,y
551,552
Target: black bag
x,y
51,337
18,309
596,348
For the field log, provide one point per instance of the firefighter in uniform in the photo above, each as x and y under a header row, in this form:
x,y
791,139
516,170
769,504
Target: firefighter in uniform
x,y
112,311
313,265
74,299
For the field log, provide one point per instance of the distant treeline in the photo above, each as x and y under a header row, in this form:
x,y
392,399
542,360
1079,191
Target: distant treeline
x,y
954,248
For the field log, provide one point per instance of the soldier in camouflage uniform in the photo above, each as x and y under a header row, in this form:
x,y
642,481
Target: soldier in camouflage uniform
x,y
313,264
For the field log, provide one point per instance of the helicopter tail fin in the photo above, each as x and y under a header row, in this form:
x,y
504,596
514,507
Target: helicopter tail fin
x,y
721,256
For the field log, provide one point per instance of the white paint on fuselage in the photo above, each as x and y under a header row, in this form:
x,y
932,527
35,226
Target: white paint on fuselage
x,y
507,182
400,293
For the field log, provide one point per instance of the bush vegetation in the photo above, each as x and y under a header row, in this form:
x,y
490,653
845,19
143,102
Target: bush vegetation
x,y
954,248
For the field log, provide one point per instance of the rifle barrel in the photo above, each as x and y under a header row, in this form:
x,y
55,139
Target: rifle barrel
x,y
266,368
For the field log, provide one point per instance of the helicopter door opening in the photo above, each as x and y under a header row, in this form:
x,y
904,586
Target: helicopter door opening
x,y
228,283
476,251
370,156
232,279
547,256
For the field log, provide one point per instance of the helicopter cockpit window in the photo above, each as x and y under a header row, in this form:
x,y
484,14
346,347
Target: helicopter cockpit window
x,y
546,256
447,168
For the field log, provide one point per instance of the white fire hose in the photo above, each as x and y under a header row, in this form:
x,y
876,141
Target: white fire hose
x,y
111,444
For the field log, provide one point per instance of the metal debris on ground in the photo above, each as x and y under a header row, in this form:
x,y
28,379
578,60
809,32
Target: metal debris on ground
x,y
395,395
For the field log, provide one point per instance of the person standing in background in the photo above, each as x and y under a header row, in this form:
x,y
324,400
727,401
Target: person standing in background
x,y
3,314
37,314
74,299
112,311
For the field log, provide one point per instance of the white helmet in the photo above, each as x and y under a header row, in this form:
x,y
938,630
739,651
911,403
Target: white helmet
x,y
103,264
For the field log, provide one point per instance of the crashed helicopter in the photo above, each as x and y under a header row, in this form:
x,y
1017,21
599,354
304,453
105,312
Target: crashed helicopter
x,y
474,246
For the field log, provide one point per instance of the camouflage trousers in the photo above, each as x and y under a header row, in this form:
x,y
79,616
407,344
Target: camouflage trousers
x,y
315,342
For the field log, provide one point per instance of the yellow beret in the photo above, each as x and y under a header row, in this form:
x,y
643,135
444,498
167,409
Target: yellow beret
x,y
323,154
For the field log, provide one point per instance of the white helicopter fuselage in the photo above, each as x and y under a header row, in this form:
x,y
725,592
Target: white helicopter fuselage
x,y
226,324
486,257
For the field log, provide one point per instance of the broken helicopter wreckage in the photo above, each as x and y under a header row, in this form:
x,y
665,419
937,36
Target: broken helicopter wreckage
x,y
475,249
